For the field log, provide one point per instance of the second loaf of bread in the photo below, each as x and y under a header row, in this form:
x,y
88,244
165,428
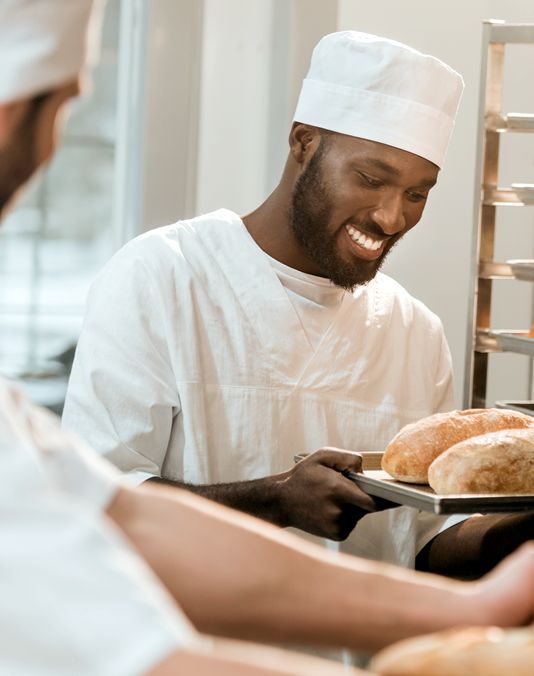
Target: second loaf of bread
x,y
498,462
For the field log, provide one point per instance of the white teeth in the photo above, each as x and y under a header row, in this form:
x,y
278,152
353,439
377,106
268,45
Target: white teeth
x,y
363,240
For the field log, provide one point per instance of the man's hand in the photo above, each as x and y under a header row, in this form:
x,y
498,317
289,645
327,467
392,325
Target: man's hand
x,y
317,497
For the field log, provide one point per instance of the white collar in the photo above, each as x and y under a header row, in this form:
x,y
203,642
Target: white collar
x,y
320,290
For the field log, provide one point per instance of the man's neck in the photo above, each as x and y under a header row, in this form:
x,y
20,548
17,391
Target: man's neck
x,y
269,225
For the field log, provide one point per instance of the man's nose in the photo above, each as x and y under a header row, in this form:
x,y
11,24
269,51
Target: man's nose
x,y
389,215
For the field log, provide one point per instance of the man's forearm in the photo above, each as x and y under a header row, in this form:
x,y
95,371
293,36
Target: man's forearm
x,y
259,497
239,577
314,495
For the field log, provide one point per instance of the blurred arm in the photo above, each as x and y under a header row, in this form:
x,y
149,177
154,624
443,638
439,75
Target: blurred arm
x,y
238,577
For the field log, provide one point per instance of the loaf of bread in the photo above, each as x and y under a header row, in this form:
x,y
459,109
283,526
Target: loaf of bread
x,y
476,651
410,453
498,462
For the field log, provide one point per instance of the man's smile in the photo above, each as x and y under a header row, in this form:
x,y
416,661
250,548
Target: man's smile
x,y
364,245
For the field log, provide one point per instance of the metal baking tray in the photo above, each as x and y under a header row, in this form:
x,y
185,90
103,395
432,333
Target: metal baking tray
x,y
522,269
523,406
513,341
380,484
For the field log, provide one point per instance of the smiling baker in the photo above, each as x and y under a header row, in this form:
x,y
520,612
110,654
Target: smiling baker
x,y
217,348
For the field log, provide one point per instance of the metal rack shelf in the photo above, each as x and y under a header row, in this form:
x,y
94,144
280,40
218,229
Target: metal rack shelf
x,y
520,269
505,340
513,122
518,194
489,196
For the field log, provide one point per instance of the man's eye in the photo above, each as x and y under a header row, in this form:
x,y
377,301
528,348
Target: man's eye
x,y
371,182
416,196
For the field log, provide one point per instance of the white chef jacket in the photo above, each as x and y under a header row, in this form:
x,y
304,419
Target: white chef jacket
x,y
75,598
193,364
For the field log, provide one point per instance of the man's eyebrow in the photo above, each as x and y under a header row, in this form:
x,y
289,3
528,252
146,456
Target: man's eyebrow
x,y
428,183
380,164
392,171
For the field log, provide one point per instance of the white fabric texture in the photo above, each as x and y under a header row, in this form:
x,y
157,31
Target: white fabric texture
x,y
378,89
193,364
45,44
315,299
76,599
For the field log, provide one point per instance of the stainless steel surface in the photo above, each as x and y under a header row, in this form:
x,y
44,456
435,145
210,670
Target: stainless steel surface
x,y
514,341
486,343
490,89
374,481
522,269
521,406
379,484
511,33
513,122
494,270
489,196
520,195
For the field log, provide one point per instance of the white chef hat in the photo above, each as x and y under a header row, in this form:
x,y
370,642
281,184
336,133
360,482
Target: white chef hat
x,y
378,89
44,44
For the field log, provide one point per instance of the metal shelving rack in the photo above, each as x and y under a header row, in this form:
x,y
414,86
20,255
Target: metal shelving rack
x,y
482,340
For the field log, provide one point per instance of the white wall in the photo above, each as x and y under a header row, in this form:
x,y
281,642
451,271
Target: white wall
x,y
434,260
235,89
255,54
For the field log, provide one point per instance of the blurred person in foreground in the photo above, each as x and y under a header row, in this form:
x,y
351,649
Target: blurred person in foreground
x,y
82,552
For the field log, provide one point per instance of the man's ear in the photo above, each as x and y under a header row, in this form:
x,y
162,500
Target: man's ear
x,y
303,141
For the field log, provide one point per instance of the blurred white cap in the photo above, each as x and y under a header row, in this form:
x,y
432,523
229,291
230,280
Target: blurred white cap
x,y
381,90
45,44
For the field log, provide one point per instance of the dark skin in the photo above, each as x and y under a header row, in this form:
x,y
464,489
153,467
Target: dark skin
x,y
284,499
368,183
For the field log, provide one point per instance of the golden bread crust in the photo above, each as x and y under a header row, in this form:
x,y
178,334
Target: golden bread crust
x,y
498,462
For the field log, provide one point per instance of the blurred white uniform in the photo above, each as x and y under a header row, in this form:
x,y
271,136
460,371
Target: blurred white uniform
x,y
76,599
203,360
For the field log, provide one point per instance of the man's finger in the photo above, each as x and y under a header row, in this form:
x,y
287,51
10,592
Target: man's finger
x,y
339,459
350,494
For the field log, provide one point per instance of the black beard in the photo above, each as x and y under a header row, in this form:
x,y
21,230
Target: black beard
x,y
18,158
309,218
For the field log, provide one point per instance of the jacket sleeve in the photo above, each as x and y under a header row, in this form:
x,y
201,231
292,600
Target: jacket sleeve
x,y
122,395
